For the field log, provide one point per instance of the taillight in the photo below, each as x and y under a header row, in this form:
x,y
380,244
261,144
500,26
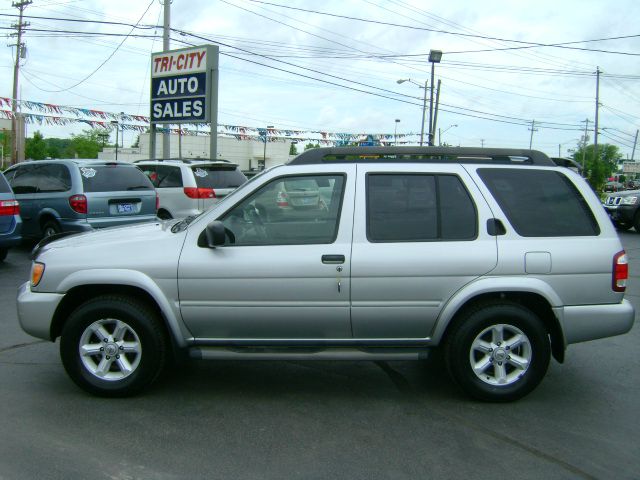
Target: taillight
x,y
157,202
620,271
9,207
193,192
78,203
282,200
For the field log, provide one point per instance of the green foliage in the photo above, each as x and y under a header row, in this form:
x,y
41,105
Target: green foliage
x,y
600,168
293,150
86,145
309,146
35,148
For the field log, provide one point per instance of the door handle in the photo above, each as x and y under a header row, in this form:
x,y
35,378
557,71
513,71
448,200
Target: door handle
x,y
333,259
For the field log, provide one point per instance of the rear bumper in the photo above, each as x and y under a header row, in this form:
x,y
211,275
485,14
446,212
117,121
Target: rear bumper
x,y
590,322
36,310
621,213
13,237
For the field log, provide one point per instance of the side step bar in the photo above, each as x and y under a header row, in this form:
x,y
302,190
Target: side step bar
x,y
293,353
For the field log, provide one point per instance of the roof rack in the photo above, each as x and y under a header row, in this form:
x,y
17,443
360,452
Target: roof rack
x,y
184,160
422,155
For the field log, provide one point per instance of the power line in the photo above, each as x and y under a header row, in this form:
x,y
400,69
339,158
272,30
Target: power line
x,y
485,37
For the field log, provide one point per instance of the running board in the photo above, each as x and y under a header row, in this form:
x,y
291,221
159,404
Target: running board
x,y
293,353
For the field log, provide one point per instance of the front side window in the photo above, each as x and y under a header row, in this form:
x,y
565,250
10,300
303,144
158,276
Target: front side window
x,y
540,203
419,208
23,179
295,210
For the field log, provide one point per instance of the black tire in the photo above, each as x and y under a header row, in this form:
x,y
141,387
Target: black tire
x,y
498,379
3,254
142,332
622,226
164,215
50,227
636,221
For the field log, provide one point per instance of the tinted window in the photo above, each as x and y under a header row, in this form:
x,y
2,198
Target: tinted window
x,y
168,177
218,177
276,216
113,178
53,178
540,203
23,179
4,185
418,207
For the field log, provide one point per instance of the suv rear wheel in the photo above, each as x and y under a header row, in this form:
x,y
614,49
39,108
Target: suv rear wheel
x,y
498,352
50,227
113,346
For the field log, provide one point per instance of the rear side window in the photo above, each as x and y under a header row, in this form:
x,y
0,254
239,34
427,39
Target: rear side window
x,y
113,178
540,203
218,177
168,177
23,179
53,178
418,208
4,186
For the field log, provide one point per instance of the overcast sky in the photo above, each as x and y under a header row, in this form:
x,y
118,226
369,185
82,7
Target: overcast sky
x,y
488,92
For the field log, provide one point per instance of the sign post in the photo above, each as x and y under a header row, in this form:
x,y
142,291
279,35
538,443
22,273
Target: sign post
x,y
184,89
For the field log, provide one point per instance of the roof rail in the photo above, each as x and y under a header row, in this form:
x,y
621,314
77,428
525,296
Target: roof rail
x,y
422,155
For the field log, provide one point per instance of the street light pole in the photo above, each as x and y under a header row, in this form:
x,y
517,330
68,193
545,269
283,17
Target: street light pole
x,y
424,104
115,123
444,131
434,57
395,132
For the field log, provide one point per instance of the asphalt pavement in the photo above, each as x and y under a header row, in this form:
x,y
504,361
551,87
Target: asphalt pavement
x,y
317,420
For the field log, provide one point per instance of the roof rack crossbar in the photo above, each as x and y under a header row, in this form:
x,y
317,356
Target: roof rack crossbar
x,y
422,155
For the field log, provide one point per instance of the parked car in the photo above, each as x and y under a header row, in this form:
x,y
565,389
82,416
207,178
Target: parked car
x,y
10,221
80,195
613,187
187,187
624,209
498,257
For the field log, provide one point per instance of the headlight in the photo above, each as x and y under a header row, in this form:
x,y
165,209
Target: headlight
x,y
629,200
37,270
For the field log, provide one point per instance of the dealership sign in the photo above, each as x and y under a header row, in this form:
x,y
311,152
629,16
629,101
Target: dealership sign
x,y
184,85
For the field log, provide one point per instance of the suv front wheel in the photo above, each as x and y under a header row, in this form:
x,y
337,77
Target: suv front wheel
x,y
498,352
113,346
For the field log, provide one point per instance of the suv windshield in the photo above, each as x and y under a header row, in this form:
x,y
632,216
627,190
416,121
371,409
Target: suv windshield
x,y
113,178
218,177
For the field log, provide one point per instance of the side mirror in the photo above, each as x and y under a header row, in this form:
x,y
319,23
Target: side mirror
x,y
215,234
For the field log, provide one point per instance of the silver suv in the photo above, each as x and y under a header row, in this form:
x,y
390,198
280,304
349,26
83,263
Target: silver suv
x,y
498,257
187,187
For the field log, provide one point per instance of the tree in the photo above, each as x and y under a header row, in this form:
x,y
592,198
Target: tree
x,y
606,165
309,146
85,145
35,148
293,150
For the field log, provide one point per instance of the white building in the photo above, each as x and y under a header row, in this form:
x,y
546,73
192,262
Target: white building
x,y
248,154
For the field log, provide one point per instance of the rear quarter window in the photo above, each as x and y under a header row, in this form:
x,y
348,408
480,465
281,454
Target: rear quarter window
x,y
540,203
113,178
4,185
218,177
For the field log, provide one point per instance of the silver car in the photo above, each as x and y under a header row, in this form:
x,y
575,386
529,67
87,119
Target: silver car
x,y
187,187
498,257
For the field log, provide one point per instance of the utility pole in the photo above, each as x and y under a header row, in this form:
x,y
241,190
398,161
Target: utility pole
x,y
435,115
482,142
635,141
166,136
584,147
533,129
595,128
20,52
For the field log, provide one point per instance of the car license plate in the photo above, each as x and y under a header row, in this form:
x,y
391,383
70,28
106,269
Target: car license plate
x,y
307,200
125,208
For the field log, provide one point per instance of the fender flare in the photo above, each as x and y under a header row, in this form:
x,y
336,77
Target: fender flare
x,y
132,278
486,285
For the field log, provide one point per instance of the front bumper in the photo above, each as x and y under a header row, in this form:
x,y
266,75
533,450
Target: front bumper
x,y
621,213
590,322
36,310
